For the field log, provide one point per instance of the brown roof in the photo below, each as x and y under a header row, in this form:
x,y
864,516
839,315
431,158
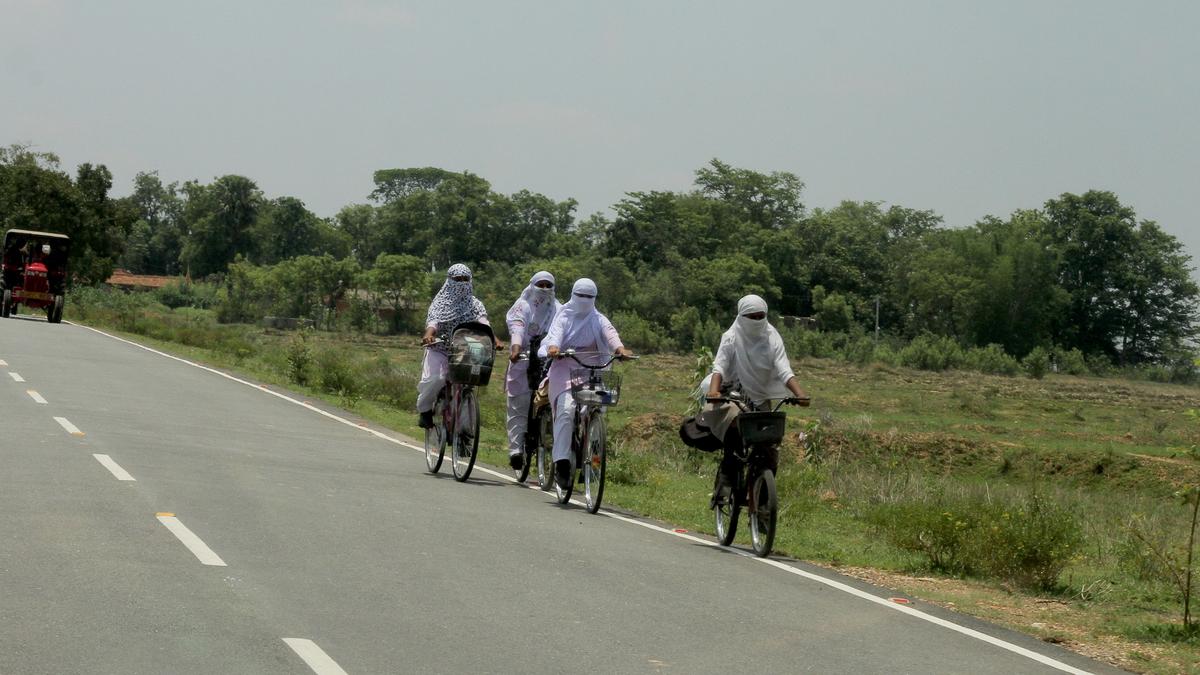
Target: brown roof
x,y
125,278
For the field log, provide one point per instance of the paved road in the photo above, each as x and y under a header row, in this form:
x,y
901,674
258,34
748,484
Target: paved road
x,y
339,542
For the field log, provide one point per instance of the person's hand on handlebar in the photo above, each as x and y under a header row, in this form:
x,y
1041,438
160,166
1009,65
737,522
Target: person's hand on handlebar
x,y
428,338
514,352
799,396
552,352
624,353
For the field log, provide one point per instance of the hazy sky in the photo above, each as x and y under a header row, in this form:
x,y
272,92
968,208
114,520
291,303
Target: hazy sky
x,y
965,108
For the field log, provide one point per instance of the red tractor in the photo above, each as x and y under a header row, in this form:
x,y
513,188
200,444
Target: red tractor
x,y
33,272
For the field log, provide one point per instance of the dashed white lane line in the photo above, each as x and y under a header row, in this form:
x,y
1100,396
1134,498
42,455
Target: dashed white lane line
x,y
314,656
193,543
832,583
68,427
3,363
37,398
16,376
113,468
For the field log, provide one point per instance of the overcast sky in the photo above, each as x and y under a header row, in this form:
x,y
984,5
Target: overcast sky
x,y
965,108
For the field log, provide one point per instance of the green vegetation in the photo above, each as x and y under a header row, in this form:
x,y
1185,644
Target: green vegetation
x,y
1062,489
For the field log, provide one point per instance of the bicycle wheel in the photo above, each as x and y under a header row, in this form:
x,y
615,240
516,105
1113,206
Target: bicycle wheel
x,y
435,437
595,460
763,509
466,437
725,512
544,450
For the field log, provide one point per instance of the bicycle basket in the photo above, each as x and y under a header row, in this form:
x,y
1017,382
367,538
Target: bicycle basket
x,y
471,355
595,387
762,428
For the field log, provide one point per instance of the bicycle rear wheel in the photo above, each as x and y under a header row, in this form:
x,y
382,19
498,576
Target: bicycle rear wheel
x,y
764,509
544,450
725,513
435,437
595,461
466,436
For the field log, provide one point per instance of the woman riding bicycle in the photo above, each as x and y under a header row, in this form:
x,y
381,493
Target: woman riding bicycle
x,y
752,359
528,320
581,328
454,304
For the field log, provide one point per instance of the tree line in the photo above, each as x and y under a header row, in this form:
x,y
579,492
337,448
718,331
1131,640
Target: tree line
x,y
1080,272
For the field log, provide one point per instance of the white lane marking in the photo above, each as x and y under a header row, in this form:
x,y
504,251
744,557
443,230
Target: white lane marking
x,y
113,468
314,656
66,425
882,602
37,398
3,363
191,541
16,377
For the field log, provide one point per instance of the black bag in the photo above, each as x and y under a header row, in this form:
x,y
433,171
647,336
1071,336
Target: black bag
x,y
699,437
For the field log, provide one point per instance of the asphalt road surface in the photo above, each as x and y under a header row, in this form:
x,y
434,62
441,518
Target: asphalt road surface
x,y
158,517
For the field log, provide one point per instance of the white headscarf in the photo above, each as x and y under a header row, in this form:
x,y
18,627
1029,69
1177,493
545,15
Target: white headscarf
x,y
759,354
455,303
581,321
536,307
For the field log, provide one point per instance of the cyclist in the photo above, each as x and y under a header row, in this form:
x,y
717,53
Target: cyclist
x,y
580,327
528,319
751,358
454,304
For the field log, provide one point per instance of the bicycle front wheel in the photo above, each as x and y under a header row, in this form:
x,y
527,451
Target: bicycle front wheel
x,y
466,436
595,461
764,509
435,437
725,513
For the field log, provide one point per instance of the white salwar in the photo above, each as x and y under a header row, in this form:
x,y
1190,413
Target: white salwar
x,y
529,317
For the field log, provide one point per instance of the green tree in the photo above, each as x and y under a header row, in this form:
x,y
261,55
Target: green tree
x,y
219,218
397,282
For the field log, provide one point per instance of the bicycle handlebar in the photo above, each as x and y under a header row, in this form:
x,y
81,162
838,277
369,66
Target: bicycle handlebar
x,y
744,403
572,354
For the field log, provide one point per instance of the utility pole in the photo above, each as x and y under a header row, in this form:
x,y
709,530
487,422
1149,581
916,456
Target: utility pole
x,y
877,319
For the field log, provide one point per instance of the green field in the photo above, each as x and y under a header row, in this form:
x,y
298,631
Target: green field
x,y
1106,456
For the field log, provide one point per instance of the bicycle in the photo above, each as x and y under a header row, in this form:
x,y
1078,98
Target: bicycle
x,y
539,423
595,388
762,428
456,410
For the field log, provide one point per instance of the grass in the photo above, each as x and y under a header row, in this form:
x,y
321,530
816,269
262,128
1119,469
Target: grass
x,y
1102,449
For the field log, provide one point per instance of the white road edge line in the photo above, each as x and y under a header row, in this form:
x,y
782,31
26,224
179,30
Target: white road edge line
x,y
3,363
16,376
314,656
113,468
832,583
191,541
68,427
37,398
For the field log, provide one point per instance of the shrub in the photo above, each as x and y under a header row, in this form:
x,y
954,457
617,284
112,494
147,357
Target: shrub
x,y
991,359
386,383
184,293
1027,540
1036,363
336,373
1071,361
641,335
299,358
928,352
860,351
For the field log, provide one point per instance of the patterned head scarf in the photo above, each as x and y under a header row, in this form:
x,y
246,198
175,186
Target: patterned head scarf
x,y
455,303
